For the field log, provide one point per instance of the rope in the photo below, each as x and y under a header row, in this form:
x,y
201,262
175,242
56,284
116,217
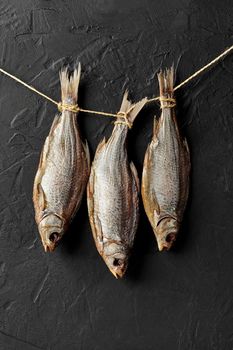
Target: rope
x,y
97,112
167,102
125,120
65,107
28,86
201,70
75,108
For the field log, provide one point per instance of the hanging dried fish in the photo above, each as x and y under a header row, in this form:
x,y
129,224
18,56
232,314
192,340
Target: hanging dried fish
x,y
112,194
165,178
63,169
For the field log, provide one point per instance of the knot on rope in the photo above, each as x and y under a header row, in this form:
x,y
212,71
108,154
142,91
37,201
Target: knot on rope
x,y
168,102
124,119
66,107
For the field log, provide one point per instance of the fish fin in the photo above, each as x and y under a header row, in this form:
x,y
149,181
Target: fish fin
x,y
100,145
155,126
147,158
42,198
43,154
40,171
155,130
185,173
166,82
187,153
136,108
95,224
135,204
99,234
186,146
148,155
69,85
45,147
90,202
54,125
135,175
87,153
39,200
149,199
39,175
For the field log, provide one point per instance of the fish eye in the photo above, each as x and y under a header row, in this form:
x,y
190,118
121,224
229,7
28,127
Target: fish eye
x,y
53,237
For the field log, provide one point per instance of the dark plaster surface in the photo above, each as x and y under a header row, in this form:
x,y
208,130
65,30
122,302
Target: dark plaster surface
x,y
69,300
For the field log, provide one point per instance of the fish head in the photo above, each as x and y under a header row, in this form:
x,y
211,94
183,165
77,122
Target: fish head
x,y
166,232
116,258
51,230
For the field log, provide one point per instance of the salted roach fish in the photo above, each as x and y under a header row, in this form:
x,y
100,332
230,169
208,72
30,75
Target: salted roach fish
x,y
63,169
112,194
165,178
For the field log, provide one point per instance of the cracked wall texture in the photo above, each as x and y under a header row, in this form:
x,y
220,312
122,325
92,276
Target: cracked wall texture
x,y
69,300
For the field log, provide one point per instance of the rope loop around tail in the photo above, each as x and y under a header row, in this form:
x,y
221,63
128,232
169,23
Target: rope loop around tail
x,y
167,102
66,107
123,119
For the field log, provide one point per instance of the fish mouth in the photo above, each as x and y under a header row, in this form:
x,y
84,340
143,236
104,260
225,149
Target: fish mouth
x,y
166,242
119,268
51,242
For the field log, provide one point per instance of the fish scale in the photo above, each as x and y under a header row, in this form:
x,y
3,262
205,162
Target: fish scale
x,y
58,196
110,182
165,164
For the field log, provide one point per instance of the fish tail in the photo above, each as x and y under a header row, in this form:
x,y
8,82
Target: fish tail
x,y
132,109
69,85
166,82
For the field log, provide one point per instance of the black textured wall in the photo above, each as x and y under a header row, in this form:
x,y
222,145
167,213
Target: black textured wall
x,y
68,299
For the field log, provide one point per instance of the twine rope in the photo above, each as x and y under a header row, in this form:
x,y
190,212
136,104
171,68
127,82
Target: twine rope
x,y
75,108
167,102
123,119
65,107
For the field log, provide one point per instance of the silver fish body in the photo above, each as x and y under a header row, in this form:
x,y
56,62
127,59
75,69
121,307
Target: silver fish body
x,y
165,178
113,196
63,170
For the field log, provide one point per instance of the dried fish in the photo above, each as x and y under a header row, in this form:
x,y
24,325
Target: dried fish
x,y
165,178
63,170
112,193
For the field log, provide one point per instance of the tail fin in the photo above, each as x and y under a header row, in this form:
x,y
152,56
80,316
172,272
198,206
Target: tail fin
x,y
166,82
69,85
126,105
